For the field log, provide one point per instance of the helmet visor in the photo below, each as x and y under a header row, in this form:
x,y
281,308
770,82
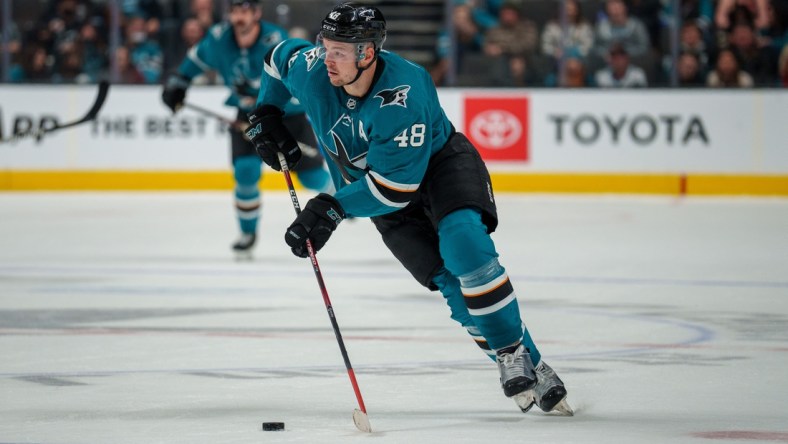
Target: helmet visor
x,y
338,51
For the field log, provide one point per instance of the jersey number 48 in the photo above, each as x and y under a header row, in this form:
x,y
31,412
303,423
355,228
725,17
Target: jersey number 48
x,y
414,139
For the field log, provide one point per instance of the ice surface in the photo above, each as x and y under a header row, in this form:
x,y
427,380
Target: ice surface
x,y
125,319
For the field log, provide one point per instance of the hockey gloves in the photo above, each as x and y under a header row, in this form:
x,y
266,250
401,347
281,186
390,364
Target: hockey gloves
x,y
175,92
320,217
270,136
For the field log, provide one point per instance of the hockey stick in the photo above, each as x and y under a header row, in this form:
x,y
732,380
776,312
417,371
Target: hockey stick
x,y
360,418
237,125
101,97
241,126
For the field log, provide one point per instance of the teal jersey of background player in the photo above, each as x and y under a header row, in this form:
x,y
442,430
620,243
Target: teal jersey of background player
x,y
380,144
240,68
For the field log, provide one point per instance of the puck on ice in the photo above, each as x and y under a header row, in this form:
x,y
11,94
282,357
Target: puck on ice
x,y
273,426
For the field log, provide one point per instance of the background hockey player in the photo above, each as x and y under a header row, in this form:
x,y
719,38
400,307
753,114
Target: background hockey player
x,y
236,49
396,158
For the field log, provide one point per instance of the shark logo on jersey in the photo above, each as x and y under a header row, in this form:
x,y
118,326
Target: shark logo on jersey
x,y
351,169
311,57
394,96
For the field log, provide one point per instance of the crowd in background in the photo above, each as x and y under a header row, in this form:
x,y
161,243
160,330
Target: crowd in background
x,y
619,43
601,43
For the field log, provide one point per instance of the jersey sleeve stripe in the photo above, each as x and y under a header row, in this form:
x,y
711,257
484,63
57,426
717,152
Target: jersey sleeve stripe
x,y
192,55
376,192
402,187
270,64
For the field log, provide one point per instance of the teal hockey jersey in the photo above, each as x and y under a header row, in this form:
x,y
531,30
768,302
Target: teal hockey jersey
x,y
239,68
380,144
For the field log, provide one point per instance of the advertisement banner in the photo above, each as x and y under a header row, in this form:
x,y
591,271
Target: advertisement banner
x,y
498,126
517,130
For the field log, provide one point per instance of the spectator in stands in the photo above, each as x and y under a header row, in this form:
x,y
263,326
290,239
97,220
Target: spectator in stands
x,y
573,75
513,38
191,33
783,67
485,13
689,68
691,40
760,63
12,42
150,10
468,39
618,26
34,67
733,12
775,35
128,73
64,19
579,37
727,74
69,68
648,12
205,12
145,53
701,12
620,72
94,50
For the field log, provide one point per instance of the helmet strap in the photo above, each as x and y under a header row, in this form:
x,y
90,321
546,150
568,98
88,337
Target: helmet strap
x,y
360,70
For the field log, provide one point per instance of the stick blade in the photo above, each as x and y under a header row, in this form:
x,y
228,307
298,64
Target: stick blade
x,y
361,420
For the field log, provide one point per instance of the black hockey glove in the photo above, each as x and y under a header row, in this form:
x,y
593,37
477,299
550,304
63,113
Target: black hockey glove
x,y
175,92
320,217
270,136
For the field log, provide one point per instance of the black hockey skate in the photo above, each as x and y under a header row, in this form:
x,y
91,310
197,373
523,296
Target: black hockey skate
x,y
550,391
518,378
243,246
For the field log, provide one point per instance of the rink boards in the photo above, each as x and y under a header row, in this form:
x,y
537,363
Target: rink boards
x,y
650,141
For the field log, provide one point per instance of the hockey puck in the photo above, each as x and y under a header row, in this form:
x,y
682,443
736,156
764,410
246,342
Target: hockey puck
x,y
273,426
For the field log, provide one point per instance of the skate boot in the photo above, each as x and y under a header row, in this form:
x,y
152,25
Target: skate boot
x,y
517,375
550,392
243,246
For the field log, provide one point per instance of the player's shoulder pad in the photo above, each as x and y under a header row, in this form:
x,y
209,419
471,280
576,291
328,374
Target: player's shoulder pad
x,y
282,56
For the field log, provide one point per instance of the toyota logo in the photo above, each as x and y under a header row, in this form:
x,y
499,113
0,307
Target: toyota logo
x,y
496,129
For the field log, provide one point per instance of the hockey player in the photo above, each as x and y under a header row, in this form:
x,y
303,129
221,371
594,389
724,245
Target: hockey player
x,y
235,49
396,158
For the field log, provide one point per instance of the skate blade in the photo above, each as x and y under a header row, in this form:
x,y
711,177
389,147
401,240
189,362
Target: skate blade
x,y
243,256
525,400
563,408
361,420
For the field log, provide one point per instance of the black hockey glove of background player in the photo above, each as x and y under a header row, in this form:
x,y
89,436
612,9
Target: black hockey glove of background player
x,y
175,92
270,136
320,217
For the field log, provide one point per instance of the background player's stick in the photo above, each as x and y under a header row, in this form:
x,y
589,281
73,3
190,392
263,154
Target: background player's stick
x,y
359,415
103,89
237,125
241,126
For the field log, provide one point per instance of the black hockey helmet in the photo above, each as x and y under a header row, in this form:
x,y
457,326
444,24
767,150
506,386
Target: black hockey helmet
x,y
353,23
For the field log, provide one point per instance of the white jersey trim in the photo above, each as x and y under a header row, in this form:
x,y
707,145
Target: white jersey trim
x,y
374,190
270,68
192,54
